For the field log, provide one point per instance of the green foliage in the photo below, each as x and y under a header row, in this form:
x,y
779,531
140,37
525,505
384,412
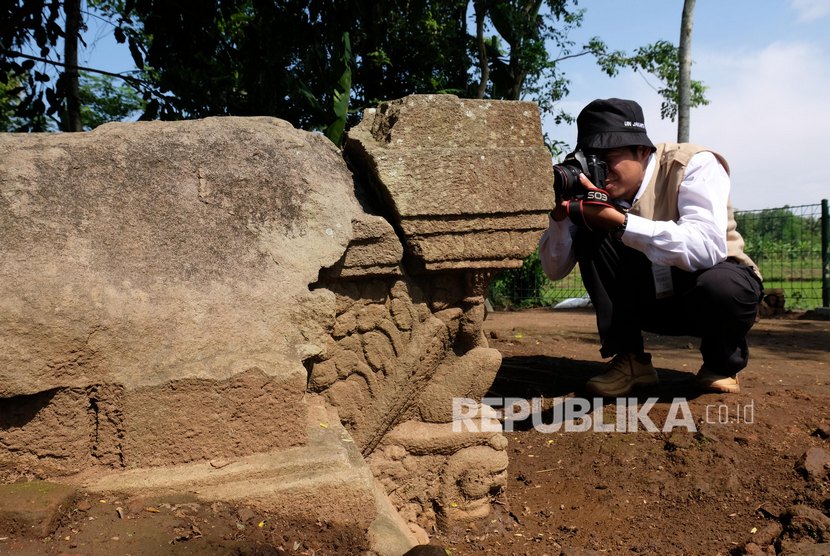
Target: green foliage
x,y
105,99
799,294
787,248
317,63
30,96
289,58
660,60
537,33
398,48
11,95
34,90
528,286
519,287
334,131
779,233
520,25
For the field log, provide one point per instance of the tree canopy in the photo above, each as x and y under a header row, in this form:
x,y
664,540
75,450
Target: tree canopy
x,y
287,58
315,63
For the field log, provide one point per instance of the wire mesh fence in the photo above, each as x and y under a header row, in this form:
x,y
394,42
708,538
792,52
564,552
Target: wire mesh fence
x,y
789,245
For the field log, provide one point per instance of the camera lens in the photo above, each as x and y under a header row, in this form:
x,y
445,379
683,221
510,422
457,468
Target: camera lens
x,y
566,180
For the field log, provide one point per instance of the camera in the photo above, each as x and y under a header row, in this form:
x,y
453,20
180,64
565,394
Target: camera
x,y
566,184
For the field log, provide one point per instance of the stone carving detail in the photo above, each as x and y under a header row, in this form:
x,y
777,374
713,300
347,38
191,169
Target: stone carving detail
x,y
385,348
435,475
397,358
395,353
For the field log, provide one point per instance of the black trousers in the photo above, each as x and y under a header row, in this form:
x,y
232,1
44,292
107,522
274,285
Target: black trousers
x,y
718,305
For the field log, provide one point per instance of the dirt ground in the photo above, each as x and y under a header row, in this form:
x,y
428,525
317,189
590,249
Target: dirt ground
x,y
750,479
736,479
107,524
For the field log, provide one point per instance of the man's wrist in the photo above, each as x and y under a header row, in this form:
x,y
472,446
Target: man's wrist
x,y
618,232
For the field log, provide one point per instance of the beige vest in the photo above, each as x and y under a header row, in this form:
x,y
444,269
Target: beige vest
x,y
659,201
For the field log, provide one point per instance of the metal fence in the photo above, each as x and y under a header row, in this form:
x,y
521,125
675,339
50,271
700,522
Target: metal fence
x,y
789,244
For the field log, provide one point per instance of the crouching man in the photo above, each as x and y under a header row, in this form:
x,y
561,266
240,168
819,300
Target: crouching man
x,y
656,245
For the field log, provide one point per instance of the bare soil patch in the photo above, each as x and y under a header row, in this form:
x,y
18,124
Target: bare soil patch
x,y
109,524
732,482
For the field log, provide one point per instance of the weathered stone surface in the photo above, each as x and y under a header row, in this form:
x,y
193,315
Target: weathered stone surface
x,y
381,368
468,182
164,265
150,252
768,534
235,417
468,376
389,533
46,434
398,361
805,548
374,250
327,479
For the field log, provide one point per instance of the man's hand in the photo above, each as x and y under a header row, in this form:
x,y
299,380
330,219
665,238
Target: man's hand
x,y
595,211
560,211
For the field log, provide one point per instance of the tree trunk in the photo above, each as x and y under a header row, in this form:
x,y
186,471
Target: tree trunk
x,y
72,121
526,31
684,86
372,71
483,62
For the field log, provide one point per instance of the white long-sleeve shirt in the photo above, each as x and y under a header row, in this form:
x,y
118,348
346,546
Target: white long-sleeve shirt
x,y
696,241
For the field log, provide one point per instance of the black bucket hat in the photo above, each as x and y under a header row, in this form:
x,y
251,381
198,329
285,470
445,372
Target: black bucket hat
x,y
611,123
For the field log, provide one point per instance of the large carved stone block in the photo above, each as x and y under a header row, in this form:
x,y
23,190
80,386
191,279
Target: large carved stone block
x,y
154,289
468,182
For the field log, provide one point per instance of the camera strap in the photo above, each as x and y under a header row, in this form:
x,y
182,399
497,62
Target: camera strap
x,y
597,197
576,214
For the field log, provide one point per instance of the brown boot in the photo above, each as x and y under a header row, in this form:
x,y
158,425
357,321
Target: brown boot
x,y
624,372
711,382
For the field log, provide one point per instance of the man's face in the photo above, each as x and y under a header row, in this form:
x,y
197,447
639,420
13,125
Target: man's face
x,y
626,169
